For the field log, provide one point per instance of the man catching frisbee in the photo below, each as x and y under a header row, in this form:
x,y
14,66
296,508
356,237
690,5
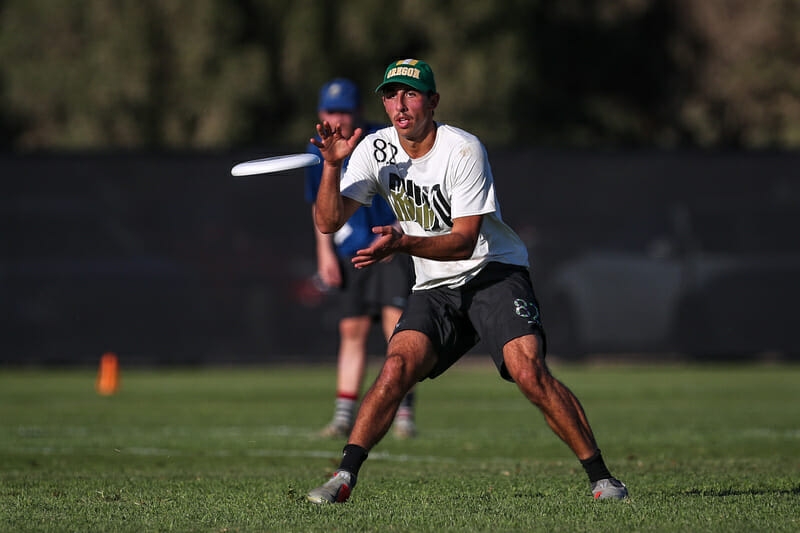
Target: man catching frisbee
x,y
472,279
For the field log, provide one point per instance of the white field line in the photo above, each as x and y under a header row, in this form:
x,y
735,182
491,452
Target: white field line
x,y
77,433
310,454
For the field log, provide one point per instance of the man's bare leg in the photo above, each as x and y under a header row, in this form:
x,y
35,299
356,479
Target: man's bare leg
x,y
410,357
404,426
562,411
560,407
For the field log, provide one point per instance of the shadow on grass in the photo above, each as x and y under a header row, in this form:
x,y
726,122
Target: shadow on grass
x,y
723,493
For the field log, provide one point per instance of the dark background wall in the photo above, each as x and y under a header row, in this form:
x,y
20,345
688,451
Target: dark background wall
x,y
157,253
168,259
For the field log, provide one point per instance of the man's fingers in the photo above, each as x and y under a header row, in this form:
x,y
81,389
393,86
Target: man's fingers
x,y
361,261
353,140
382,230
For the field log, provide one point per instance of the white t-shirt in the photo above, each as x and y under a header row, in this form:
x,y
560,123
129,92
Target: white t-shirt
x,y
452,180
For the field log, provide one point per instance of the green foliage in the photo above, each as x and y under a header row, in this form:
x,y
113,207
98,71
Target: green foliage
x,y
701,448
128,74
225,73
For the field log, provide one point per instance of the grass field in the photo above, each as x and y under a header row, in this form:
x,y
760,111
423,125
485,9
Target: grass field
x,y
711,448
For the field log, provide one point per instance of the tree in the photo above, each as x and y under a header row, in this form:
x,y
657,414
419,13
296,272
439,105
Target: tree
x,y
223,73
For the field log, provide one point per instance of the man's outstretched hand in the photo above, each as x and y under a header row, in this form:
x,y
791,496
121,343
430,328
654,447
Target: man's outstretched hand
x,y
386,244
332,145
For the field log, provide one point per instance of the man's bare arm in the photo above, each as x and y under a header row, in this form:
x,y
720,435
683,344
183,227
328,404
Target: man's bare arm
x,y
332,209
454,246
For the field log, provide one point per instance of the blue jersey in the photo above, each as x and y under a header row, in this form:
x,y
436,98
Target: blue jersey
x,y
356,234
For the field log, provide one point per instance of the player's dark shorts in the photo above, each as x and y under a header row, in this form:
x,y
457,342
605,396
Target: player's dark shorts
x,y
496,306
366,291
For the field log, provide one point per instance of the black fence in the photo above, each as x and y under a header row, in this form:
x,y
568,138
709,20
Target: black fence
x,y
166,258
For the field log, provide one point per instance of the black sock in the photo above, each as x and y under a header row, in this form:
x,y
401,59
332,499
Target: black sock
x,y
595,467
352,459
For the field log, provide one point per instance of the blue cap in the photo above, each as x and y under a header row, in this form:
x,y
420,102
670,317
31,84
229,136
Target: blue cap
x,y
340,94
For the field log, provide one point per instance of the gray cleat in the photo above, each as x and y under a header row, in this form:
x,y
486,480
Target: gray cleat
x,y
405,428
336,490
335,430
609,489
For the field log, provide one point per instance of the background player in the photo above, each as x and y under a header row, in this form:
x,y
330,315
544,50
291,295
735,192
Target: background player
x,y
363,295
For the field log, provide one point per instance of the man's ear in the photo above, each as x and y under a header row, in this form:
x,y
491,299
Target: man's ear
x,y
433,101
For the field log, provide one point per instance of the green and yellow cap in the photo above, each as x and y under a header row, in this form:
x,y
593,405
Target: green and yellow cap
x,y
412,72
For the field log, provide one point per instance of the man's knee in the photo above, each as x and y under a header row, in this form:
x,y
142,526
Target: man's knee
x,y
396,376
395,367
527,368
354,327
415,353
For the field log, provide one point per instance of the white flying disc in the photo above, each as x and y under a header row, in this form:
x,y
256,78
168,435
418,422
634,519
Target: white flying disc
x,y
275,164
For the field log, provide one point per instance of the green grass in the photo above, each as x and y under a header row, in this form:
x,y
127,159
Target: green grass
x,y
701,448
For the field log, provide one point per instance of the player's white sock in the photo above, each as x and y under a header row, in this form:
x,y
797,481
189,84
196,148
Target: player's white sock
x,y
406,409
345,410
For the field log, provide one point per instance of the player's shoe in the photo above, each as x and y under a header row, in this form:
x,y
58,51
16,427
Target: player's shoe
x,y
609,489
336,490
335,430
404,428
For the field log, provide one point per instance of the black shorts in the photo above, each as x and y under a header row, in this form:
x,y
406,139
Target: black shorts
x,y
496,306
364,292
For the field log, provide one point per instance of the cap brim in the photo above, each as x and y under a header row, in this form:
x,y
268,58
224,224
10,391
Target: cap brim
x,y
411,82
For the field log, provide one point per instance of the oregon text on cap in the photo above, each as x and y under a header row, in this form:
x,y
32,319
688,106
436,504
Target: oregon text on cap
x,y
411,72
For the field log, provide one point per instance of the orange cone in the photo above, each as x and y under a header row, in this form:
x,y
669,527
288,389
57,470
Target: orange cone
x,y
108,375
